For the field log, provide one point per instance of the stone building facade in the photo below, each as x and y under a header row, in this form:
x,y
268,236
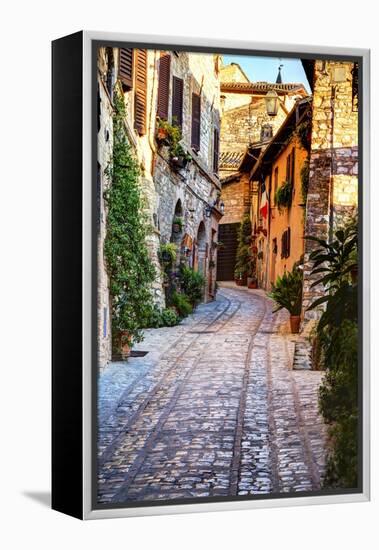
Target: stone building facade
x,y
333,177
192,193
147,83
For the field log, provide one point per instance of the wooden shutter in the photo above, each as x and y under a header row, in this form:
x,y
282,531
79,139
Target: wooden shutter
x,y
163,86
125,70
140,91
177,101
196,112
288,168
286,243
216,149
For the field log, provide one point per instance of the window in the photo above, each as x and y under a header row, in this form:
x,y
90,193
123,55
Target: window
x,y
163,86
266,132
125,69
177,101
196,112
140,91
216,149
286,243
276,179
290,168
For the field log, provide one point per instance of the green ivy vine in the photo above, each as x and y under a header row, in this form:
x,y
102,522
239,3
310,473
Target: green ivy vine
x,y
128,264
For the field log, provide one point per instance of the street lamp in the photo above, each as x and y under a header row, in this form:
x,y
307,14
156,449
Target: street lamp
x,y
272,103
208,211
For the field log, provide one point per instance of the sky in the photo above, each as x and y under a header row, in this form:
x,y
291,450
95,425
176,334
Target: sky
x,y
266,68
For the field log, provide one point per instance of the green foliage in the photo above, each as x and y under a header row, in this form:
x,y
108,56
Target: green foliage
x,y
167,254
287,291
304,176
178,221
128,264
302,131
174,136
181,303
192,284
157,318
338,339
243,255
169,317
335,262
283,195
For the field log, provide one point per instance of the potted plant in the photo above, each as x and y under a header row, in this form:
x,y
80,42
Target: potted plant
x,y
252,281
166,134
178,157
287,293
122,345
240,278
243,256
177,224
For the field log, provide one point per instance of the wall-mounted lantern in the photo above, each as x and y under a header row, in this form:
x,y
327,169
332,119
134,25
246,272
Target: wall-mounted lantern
x,y
222,207
272,103
208,211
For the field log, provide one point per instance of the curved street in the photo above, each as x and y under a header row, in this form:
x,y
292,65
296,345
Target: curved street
x,y
213,409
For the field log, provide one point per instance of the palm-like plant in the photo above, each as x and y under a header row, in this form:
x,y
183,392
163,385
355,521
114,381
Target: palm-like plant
x,y
337,262
287,291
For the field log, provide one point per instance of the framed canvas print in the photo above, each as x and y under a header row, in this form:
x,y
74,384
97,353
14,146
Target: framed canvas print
x,y
210,275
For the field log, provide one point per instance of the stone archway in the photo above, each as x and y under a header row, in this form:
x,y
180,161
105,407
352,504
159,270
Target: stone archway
x,y
201,249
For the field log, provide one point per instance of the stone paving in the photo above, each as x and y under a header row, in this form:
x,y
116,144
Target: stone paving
x,y
214,409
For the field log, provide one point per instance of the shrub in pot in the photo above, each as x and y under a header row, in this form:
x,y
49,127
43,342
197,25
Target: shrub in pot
x,y
287,293
192,284
177,224
181,304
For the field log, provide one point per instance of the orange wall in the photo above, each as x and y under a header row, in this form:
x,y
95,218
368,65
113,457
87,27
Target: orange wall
x,y
273,265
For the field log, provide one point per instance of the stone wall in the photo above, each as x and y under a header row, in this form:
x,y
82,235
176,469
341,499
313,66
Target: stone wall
x,y
104,157
241,125
236,198
333,179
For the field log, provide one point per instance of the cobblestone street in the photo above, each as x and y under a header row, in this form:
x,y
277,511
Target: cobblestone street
x,y
213,409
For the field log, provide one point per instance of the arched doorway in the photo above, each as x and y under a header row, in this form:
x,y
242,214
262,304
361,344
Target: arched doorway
x,y
177,224
201,249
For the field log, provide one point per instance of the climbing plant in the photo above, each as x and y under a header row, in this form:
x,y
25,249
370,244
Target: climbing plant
x,y
283,195
304,176
130,269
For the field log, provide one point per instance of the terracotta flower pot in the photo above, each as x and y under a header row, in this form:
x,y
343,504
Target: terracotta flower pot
x,y
241,281
123,346
253,284
295,323
162,135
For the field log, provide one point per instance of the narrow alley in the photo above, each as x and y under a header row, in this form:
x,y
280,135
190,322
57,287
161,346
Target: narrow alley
x,y
213,409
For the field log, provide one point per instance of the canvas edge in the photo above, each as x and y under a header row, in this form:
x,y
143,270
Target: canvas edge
x,y
88,512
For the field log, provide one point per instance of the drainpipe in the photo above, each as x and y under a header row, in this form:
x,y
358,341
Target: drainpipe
x,y
332,159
